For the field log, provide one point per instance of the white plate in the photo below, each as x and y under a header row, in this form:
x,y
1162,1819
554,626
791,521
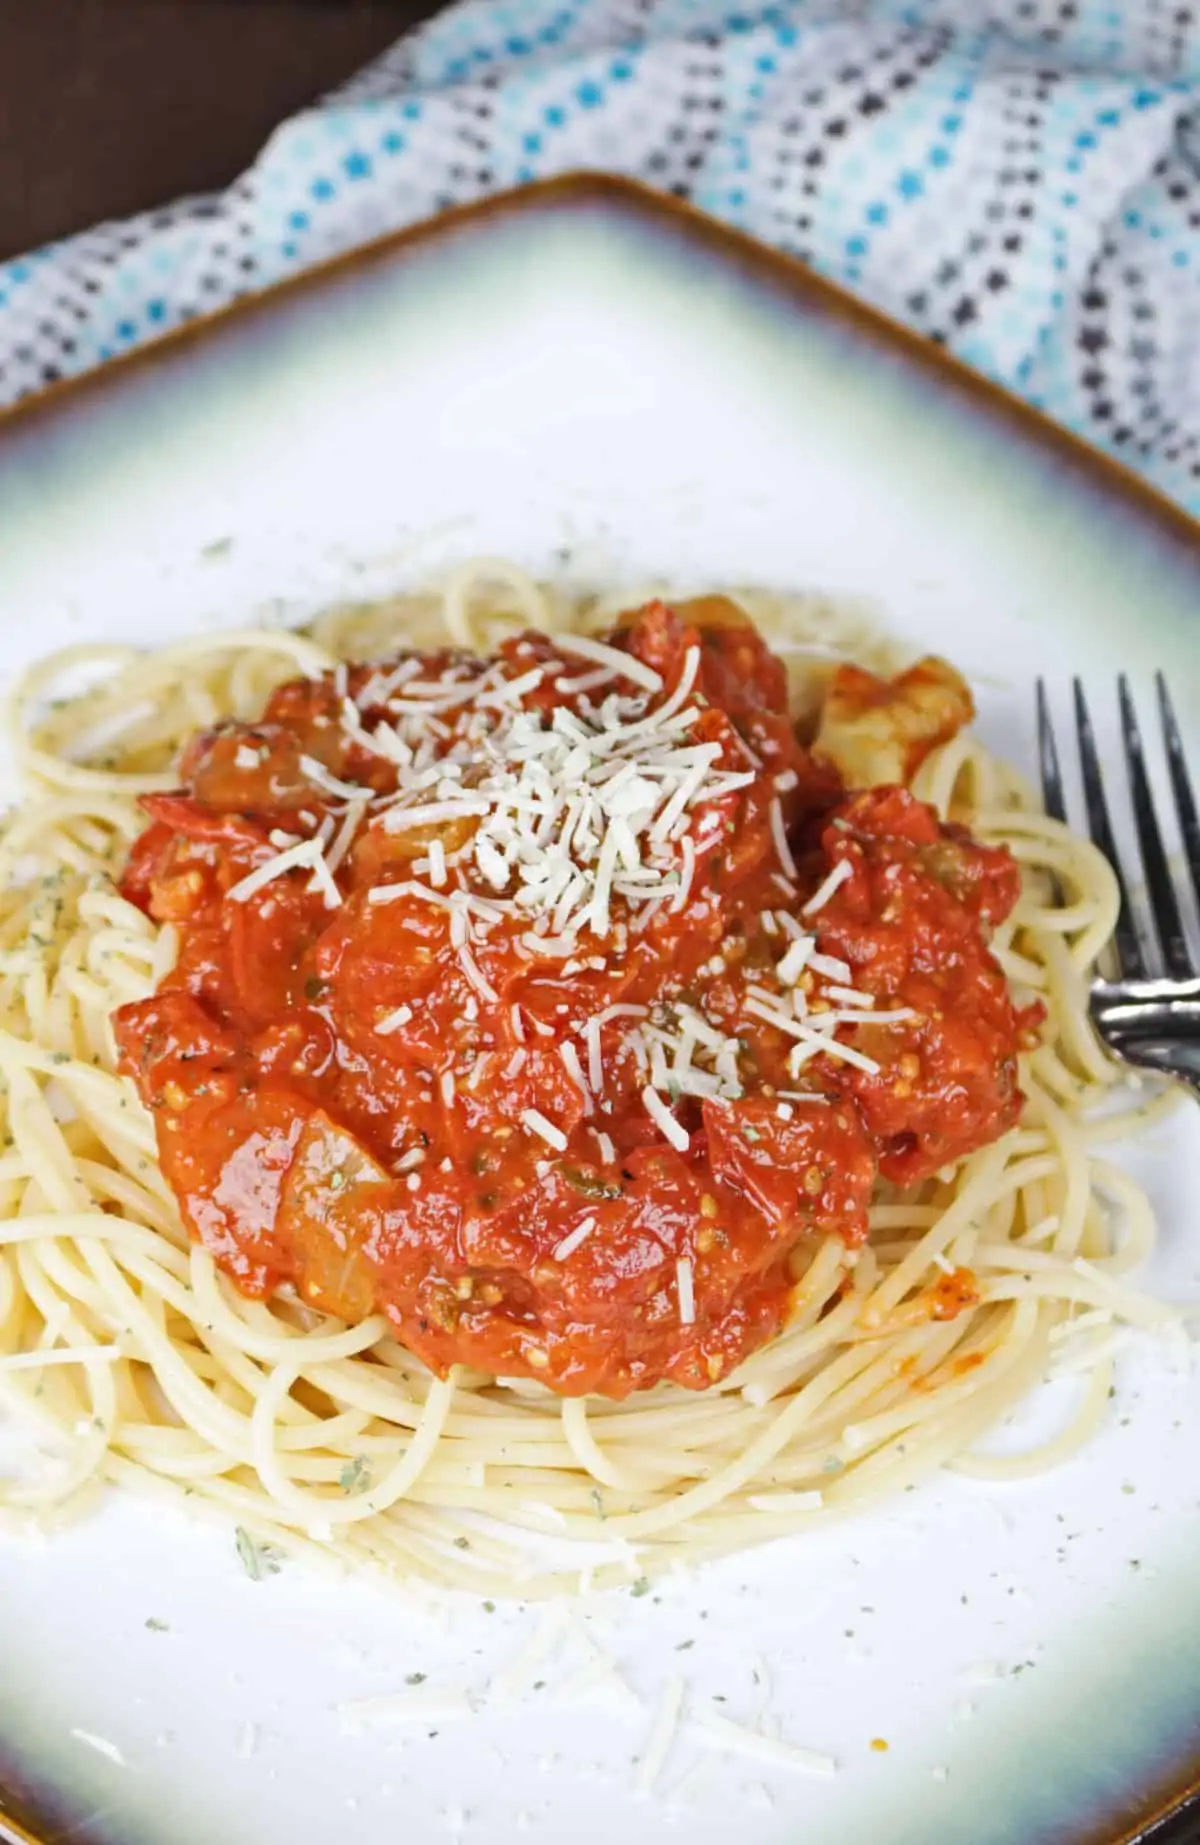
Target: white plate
x,y
604,386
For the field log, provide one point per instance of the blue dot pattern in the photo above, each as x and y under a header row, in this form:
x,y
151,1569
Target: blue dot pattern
x,y
1017,179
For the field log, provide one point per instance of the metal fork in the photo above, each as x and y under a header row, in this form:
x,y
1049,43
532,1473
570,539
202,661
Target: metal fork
x,y
1150,1014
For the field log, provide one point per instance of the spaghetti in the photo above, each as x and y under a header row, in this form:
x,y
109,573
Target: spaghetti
x,y
138,1362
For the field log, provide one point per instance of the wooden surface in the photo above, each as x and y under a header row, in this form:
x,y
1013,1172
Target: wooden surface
x,y
114,106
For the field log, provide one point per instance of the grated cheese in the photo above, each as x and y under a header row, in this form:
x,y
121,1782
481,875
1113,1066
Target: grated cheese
x,y
328,783
585,819
863,1016
779,835
476,975
832,1047
824,891
740,1739
622,664
380,688
571,1242
101,1745
586,682
322,880
684,684
546,1636
574,1069
595,1055
686,1291
621,1012
510,690
687,851
432,813
848,996
571,812
662,1117
344,838
536,1122
983,1672
795,960
303,857
830,966
662,1734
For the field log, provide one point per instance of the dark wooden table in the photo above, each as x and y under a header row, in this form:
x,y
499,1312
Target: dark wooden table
x,y
112,106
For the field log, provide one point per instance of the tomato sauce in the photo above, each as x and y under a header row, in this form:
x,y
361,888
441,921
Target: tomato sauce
x,y
350,1099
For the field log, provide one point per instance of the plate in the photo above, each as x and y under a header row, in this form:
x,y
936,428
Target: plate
x,y
605,385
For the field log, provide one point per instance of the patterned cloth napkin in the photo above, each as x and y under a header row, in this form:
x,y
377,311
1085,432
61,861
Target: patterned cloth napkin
x,y
1018,179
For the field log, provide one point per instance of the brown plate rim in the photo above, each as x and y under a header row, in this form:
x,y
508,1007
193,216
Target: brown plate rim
x,y
1170,1816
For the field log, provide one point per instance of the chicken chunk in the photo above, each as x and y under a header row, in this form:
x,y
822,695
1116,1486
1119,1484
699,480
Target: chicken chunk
x,y
875,731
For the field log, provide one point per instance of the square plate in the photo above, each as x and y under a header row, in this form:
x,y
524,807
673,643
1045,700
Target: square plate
x,y
605,385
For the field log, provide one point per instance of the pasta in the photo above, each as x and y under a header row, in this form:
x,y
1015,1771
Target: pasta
x,y
139,1363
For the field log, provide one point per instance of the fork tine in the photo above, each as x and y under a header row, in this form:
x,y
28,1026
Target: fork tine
x,y
1181,785
1164,904
1052,788
1130,958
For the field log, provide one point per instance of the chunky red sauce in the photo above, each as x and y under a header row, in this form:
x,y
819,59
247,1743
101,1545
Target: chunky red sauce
x,y
351,1098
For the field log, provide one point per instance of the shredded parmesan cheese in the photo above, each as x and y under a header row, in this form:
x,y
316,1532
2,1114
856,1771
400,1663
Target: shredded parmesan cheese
x,y
618,662
740,1739
571,1243
686,1292
779,835
303,857
824,891
662,1734
795,960
101,1745
328,783
536,1122
662,1117
574,1069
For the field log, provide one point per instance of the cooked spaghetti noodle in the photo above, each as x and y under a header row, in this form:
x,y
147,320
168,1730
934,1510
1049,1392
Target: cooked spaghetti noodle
x,y
139,1362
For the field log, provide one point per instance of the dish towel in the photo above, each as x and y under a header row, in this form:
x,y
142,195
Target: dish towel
x,y
1019,180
